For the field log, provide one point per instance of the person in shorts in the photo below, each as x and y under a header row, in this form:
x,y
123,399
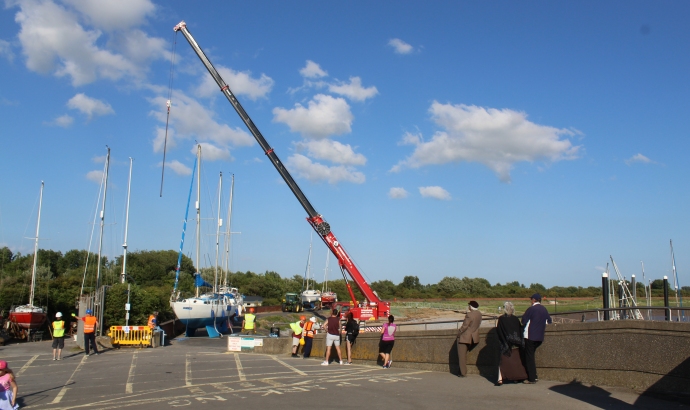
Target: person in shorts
x,y
296,337
333,337
58,336
387,341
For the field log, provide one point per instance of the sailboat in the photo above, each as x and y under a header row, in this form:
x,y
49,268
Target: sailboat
x,y
29,316
211,310
310,297
328,297
237,298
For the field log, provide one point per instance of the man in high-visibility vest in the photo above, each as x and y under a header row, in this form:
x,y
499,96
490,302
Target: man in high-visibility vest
x,y
249,322
90,324
58,336
297,334
153,321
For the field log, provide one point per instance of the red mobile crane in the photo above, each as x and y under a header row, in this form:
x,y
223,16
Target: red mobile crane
x,y
374,307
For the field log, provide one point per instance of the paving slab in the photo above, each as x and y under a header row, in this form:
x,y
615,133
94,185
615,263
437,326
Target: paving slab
x,y
201,373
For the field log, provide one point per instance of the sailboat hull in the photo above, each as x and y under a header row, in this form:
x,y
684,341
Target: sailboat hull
x,y
28,320
200,312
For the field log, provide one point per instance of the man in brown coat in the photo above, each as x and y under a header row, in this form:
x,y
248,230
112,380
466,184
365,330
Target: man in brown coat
x,y
468,334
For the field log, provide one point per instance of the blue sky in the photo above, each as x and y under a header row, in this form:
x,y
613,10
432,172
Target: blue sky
x,y
511,141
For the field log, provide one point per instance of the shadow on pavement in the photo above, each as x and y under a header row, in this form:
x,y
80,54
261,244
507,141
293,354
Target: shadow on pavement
x,y
673,386
598,397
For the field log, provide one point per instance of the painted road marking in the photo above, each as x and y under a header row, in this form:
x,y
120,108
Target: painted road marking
x,y
240,371
64,389
289,366
27,365
129,388
187,371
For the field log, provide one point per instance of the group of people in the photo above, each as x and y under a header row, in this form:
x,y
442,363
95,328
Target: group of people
x,y
303,333
518,339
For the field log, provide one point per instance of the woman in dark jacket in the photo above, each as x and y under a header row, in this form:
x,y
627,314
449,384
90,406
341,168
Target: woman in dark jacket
x,y
509,331
350,335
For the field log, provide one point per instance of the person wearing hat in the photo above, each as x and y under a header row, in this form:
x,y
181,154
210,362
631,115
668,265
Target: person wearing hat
x,y
297,328
309,331
468,334
90,324
534,322
58,336
8,388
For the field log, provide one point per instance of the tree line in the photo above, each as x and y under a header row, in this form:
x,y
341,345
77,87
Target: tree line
x,y
61,278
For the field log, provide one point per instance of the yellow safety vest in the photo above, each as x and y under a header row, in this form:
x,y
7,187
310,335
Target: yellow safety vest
x,y
58,328
249,321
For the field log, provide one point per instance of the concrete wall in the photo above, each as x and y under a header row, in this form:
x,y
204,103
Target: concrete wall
x,y
642,355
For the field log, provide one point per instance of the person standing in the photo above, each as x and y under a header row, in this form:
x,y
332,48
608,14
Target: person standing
x,y
90,324
297,330
153,321
249,322
509,332
333,337
58,336
534,322
468,334
387,341
351,331
8,388
309,331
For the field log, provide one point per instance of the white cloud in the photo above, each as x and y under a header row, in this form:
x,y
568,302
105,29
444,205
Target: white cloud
x,y
113,15
638,158
89,106
353,90
325,116
6,50
241,83
400,46
493,137
95,176
178,167
63,121
332,151
315,172
312,70
210,152
191,120
435,192
55,40
397,193
99,159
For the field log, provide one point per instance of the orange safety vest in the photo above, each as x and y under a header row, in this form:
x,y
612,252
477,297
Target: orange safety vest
x,y
90,324
308,332
152,321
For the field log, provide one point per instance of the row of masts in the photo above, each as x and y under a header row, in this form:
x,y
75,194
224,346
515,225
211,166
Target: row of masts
x,y
627,298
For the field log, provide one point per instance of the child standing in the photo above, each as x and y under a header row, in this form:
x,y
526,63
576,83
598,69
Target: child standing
x,y
8,388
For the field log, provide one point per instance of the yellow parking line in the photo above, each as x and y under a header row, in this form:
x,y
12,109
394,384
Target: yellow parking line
x,y
27,365
64,389
187,371
129,388
289,367
240,371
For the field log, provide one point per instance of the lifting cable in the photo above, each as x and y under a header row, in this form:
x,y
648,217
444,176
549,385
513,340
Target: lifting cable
x,y
168,103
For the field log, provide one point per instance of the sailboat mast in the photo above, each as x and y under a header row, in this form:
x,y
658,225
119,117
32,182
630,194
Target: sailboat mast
x,y
124,245
38,226
228,232
219,224
100,241
324,286
198,210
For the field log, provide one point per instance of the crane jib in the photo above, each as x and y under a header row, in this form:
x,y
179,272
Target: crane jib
x,y
375,304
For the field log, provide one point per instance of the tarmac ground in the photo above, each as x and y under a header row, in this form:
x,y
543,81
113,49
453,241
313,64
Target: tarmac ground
x,y
200,373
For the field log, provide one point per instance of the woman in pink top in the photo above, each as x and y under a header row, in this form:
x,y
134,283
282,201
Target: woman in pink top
x,y
387,341
8,388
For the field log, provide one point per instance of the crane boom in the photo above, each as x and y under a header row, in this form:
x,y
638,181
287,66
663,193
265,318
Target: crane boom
x,y
375,308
